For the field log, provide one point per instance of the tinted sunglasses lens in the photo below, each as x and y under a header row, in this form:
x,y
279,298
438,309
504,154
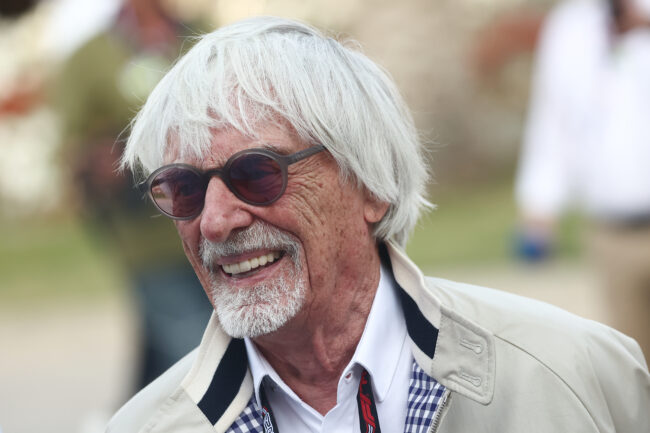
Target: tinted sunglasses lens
x,y
256,178
178,192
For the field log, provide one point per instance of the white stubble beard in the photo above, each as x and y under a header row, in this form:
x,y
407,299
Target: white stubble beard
x,y
268,305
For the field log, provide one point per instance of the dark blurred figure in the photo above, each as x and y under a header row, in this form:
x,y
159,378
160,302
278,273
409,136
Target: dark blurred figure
x,y
587,144
100,88
15,8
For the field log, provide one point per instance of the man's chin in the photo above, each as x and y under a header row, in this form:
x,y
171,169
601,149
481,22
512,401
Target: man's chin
x,y
261,311
252,321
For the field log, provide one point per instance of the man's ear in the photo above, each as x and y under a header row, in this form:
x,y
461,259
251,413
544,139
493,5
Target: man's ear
x,y
373,208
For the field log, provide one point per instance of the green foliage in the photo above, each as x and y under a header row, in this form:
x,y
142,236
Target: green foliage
x,y
53,259
477,224
472,223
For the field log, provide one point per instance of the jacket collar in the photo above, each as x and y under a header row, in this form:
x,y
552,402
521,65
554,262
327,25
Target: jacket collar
x,y
447,347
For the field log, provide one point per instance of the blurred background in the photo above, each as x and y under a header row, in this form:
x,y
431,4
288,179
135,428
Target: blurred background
x,y
79,330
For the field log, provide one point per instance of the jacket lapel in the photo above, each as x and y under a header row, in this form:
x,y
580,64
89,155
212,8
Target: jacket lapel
x,y
226,381
425,393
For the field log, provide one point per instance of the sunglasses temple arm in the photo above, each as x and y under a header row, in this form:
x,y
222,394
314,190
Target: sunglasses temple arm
x,y
305,153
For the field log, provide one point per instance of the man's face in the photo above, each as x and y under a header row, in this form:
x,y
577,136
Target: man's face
x,y
266,266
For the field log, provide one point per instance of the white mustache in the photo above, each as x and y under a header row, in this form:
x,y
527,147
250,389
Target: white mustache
x,y
259,235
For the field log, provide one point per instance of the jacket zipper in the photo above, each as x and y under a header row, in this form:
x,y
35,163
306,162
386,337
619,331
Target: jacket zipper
x,y
441,410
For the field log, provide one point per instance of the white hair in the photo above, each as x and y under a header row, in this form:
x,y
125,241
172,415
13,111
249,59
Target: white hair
x,y
265,68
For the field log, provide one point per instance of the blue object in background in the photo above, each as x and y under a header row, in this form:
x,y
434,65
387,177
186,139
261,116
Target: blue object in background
x,y
531,248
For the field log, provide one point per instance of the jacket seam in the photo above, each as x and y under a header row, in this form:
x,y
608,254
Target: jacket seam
x,y
554,373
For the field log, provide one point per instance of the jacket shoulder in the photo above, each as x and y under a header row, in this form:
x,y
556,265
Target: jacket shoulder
x,y
533,326
135,414
576,359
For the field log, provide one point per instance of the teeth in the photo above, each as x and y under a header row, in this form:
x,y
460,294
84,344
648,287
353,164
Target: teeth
x,y
247,265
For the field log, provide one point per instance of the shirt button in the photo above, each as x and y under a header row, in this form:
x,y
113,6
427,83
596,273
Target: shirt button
x,y
348,376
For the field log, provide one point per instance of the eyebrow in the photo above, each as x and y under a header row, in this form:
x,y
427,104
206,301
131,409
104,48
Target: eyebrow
x,y
274,148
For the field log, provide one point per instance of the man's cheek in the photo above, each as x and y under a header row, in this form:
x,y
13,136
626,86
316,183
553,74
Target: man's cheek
x,y
196,262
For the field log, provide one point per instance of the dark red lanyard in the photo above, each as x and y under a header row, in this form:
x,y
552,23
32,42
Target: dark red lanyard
x,y
368,419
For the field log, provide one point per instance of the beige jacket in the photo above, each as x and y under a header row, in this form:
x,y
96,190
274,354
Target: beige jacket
x,y
509,364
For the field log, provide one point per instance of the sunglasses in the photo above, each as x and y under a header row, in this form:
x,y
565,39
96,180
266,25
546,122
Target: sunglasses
x,y
255,176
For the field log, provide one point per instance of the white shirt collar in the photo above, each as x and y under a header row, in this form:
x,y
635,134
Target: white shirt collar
x,y
380,346
378,350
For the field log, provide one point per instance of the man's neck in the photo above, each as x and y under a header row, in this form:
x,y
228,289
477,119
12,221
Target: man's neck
x,y
311,352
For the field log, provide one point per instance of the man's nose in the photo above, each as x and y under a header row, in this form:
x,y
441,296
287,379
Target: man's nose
x,y
222,212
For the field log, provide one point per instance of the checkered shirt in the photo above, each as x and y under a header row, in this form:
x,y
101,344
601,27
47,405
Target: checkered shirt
x,y
425,395
250,419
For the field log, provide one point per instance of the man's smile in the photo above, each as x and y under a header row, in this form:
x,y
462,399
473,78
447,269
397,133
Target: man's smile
x,y
243,268
256,279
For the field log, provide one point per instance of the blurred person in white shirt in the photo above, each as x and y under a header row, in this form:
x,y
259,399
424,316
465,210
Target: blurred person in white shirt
x,y
587,145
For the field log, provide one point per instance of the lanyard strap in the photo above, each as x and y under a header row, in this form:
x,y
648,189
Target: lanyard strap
x,y
268,420
368,419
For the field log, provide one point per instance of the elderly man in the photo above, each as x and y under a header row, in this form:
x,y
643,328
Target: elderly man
x,y
294,174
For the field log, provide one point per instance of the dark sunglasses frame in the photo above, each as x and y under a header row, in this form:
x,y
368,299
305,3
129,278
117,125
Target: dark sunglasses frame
x,y
283,162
